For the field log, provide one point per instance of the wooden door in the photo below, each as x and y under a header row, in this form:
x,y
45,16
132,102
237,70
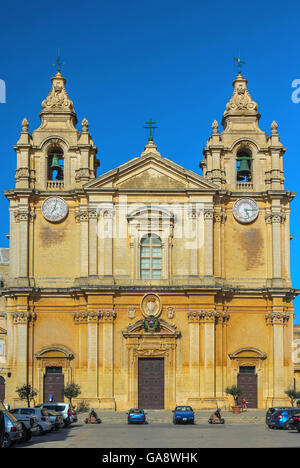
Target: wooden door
x,y
151,383
53,385
248,382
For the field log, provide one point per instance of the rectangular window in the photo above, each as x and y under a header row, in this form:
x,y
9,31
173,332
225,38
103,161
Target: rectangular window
x,y
1,347
247,370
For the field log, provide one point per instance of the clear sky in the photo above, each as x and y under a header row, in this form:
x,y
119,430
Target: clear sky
x,y
171,60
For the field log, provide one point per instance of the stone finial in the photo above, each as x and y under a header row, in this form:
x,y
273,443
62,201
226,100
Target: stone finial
x,y
25,125
241,103
150,148
58,99
215,127
85,125
274,127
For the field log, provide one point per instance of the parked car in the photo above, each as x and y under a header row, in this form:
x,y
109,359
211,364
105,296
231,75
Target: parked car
x,y
13,430
56,420
277,417
136,415
43,420
294,421
28,420
183,414
74,416
64,409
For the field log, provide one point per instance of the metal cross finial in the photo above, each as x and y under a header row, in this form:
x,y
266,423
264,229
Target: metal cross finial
x,y
240,63
150,127
59,63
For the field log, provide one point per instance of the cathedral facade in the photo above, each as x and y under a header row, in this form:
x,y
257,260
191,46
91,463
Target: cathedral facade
x,y
150,285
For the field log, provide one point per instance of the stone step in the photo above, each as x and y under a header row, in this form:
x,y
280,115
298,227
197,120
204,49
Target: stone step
x,y
161,416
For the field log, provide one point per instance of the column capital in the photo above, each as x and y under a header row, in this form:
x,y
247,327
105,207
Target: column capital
x,y
81,216
23,317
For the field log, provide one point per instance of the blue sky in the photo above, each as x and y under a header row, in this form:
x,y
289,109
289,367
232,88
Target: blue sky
x,y
127,61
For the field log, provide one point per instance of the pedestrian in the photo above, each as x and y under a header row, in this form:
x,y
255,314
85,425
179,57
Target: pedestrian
x,y
50,398
244,404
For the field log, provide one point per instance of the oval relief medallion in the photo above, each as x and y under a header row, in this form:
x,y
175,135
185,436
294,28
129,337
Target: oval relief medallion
x,y
151,305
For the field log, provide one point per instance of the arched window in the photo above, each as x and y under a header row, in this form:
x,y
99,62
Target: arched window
x,y
151,257
243,166
55,164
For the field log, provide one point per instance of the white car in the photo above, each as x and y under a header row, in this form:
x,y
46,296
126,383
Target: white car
x,y
43,420
64,409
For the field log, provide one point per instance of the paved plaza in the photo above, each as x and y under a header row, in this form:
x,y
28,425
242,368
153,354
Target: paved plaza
x,y
246,430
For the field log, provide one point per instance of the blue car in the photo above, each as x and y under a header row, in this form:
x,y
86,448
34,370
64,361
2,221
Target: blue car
x,y
183,414
136,415
277,417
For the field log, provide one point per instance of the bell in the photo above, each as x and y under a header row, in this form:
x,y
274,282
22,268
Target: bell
x,y
243,170
55,163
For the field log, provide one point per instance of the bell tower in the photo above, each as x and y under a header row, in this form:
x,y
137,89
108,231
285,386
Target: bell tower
x,y
55,159
243,158
56,156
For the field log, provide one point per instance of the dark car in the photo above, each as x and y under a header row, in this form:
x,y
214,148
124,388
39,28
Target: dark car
x,y
294,421
183,414
277,417
136,415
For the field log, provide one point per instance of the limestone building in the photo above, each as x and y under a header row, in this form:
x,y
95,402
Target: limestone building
x,y
150,285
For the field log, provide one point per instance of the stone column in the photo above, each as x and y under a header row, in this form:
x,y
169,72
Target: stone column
x,y
278,319
276,218
193,215
92,324
107,399
82,217
93,242
208,243
208,318
22,218
107,239
21,371
194,361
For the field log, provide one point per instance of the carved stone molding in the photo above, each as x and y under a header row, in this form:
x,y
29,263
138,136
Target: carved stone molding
x,y
94,316
131,312
23,317
22,215
208,214
170,312
277,318
203,316
220,217
272,218
81,216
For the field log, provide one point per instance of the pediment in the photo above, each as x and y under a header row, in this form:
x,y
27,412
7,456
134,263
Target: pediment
x,y
248,353
165,329
150,172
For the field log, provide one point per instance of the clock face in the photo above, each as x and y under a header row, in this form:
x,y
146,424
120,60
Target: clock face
x,y
245,210
54,209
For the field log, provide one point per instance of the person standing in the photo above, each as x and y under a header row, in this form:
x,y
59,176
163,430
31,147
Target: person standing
x,y
244,404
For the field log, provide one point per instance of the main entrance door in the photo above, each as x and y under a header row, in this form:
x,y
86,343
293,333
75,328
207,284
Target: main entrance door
x,y
247,380
53,384
151,383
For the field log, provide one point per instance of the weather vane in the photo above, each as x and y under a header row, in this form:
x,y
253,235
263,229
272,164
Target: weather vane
x,y
59,63
240,63
150,127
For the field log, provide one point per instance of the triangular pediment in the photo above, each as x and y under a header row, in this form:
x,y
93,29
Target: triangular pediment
x,y
150,172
